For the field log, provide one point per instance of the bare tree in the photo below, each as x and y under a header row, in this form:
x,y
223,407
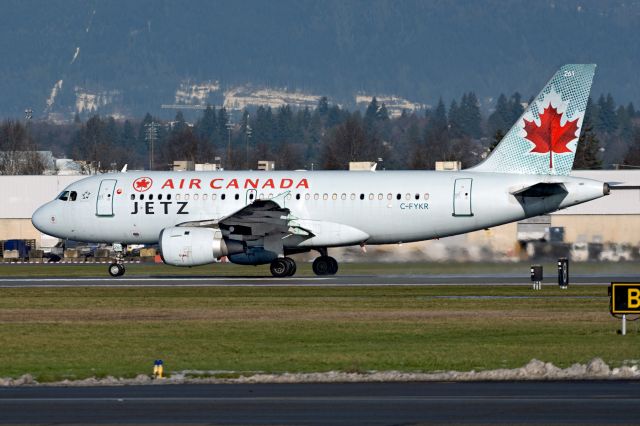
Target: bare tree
x,y
18,155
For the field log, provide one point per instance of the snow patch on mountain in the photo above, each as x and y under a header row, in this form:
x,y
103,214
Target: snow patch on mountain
x,y
54,92
88,101
75,55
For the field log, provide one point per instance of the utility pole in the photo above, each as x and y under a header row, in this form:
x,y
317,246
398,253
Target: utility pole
x,y
229,127
151,135
246,148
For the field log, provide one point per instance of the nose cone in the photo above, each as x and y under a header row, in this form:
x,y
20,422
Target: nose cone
x,y
46,220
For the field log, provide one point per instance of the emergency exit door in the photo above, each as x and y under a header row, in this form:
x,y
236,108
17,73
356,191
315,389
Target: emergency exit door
x,y
104,204
462,197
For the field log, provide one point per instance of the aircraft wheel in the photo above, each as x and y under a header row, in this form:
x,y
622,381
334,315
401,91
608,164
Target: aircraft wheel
x,y
333,265
116,270
325,265
280,267
292,266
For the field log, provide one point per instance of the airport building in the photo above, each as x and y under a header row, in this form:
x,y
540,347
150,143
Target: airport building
x,y
614,219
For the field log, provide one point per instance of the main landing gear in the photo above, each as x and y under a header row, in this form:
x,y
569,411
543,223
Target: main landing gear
x,y
283,267
325,264
116,269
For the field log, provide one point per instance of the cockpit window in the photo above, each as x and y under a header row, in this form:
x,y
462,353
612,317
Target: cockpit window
x,y
73,195
64,196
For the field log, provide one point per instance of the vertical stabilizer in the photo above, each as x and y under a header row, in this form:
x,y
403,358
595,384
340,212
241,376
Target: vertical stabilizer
x,y
545,137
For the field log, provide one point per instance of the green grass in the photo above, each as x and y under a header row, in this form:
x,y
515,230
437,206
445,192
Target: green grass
x,y
81,332
304,269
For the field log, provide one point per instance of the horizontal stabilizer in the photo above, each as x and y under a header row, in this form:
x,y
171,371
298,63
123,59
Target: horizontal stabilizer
x,y
541,189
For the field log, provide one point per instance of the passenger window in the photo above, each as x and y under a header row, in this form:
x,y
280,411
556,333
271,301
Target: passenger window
x,y
205,197
196,196
307,196
362,196
353,196
237,197
426,195
398,197
297,196
251,195
316,196
177,197
168,196
159,196
334,197
186,197
64,196
287,197
270,196
407,197
380,196
389,196
214,196
133,196
417,196
150,196
142,196
261,196
343,196
223,196
371,196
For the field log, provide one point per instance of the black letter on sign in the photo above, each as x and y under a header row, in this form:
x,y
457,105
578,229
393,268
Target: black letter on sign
x,y
183,204
135,207
148,207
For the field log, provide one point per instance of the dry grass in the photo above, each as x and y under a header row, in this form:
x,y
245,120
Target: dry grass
x,y
80,332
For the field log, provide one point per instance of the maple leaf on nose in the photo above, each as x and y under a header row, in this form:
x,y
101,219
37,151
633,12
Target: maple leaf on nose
x,y
142,183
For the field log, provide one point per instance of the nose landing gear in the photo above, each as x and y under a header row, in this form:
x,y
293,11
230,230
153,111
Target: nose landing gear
x,y
116,269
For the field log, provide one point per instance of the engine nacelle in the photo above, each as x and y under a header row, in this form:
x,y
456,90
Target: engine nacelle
x,y
192,246
253,256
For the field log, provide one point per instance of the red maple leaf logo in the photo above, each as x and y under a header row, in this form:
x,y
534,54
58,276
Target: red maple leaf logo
x,y
550,136
142,184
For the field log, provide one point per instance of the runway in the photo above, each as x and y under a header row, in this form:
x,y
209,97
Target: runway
x,y
587,402
337,280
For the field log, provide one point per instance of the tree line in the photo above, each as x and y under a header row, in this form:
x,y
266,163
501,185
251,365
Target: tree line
x,y
324,137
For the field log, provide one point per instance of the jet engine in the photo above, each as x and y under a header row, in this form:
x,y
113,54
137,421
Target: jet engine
x,y
192,246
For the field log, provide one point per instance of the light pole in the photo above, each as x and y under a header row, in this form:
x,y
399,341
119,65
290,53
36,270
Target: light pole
x,y
229,127
151,134
246,154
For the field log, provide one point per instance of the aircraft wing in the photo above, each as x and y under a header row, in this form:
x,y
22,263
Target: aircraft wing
x,y
258,220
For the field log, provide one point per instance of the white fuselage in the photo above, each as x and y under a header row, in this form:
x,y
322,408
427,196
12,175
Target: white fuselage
x,y
341,207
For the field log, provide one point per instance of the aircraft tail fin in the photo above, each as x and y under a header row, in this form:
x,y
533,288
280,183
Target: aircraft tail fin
x,y
544,139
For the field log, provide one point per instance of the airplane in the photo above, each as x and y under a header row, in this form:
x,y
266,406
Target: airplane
x,y
259,217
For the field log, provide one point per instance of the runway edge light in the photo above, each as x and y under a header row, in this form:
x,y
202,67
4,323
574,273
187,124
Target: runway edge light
x,y
158,368
624,299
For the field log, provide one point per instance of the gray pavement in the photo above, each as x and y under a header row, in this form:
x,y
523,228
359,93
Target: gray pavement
x,y
337,280
582,402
